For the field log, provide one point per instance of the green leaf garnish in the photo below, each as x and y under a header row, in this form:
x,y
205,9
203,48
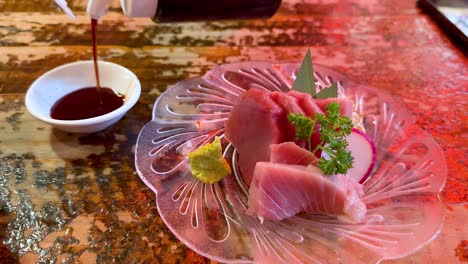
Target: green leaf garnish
x,y
304,127
328,92
334,128
305,79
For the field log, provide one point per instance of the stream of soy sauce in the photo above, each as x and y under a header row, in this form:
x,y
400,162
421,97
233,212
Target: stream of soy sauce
x,y
94,24
88,102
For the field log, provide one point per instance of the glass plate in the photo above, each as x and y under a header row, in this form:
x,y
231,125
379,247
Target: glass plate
x,y
404,210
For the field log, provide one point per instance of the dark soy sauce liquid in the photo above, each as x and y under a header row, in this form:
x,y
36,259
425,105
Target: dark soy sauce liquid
x,y
90,101
86,103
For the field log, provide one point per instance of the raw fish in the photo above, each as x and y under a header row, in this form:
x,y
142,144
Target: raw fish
x,y
279,191
252,126
290,153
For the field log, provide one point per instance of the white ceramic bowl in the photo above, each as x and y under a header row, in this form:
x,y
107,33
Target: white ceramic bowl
x,y
60,81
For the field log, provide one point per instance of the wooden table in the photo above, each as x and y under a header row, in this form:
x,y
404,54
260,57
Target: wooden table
x,y
77,198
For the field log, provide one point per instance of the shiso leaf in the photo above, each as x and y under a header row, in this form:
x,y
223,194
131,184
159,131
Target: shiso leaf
x,y
305,79
328,92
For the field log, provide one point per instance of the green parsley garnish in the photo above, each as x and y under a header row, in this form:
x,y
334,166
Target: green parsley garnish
x,y
334,128
304,127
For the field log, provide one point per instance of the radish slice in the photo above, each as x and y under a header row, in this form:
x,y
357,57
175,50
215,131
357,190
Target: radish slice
x,y
363,150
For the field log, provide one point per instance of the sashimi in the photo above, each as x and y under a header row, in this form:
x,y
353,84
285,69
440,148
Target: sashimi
x,y
290,153
252,127
289,104
312,106
346,105
279,191
281,174
307,103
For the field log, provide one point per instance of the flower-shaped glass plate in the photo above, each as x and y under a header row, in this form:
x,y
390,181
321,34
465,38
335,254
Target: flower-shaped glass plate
x,y
404,210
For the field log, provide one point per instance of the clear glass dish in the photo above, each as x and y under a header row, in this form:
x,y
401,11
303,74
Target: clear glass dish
x,y
402,194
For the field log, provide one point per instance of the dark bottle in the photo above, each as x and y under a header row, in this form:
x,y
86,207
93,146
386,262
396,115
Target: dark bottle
x,y
199,10
203,10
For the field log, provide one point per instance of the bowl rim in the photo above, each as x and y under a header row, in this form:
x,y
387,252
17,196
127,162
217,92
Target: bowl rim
x,y
88,121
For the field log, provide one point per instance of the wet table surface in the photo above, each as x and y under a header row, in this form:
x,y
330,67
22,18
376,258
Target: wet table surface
x,y
67,198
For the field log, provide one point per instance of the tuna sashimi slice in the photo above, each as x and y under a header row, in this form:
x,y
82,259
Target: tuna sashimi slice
x,y
290,153
279,191
346,105
312,106
252,127
289,104
307,103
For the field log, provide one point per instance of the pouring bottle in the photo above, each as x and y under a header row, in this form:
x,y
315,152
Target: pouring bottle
x,y
185,10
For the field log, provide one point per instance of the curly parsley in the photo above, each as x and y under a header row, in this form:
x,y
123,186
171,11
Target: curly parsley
x,y
334,128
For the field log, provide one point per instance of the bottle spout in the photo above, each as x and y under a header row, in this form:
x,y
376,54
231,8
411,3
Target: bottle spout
x,y
97,8
64,6
139,8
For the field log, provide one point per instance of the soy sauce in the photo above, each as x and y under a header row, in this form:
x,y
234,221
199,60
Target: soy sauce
x,y
86,103
96,67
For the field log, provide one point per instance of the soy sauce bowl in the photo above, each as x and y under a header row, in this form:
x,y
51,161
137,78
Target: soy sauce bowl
x,y
65,79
